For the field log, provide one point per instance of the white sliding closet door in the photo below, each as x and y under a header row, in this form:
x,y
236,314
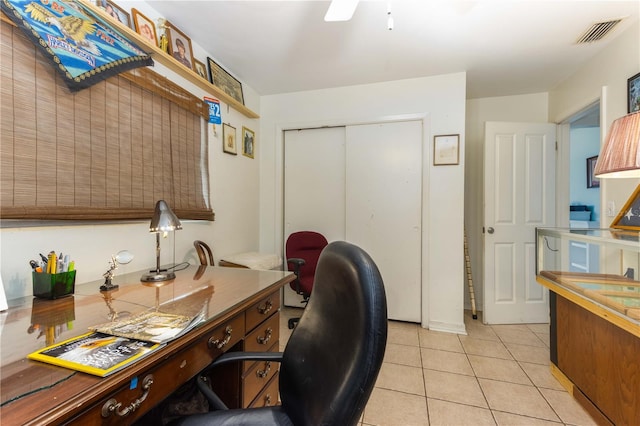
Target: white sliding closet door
x,y
384,207
362,184
314,167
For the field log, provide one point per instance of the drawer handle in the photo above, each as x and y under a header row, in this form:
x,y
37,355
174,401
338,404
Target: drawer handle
x,y
113,406
266,308
264,373
267,400
221,344
267,336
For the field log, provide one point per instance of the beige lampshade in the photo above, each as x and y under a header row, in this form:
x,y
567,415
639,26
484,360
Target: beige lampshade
x,y
620,156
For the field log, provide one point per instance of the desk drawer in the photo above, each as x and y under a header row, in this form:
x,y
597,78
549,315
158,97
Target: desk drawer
x,y
263,337
256,379
227,334
262,310
269,396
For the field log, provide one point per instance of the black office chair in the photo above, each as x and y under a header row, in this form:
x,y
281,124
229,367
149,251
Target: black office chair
x,y
332,359
204,252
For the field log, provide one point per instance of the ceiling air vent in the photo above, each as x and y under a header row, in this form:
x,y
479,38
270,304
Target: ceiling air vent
x,y
597,31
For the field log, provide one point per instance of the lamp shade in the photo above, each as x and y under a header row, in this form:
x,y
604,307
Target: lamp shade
x,y
620,156
164,219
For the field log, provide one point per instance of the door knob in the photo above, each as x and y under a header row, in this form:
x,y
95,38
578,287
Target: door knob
x,y
490,230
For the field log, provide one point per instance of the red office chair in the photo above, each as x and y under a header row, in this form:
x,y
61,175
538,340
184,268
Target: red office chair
x,y
303,250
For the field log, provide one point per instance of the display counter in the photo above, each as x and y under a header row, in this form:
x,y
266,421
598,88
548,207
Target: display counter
x,y
595,320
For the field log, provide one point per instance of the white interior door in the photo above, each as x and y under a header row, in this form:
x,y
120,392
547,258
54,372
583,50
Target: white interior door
x,y
519,195
314,192
384,207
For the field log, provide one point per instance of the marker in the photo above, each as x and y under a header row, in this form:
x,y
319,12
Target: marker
x,y
35,266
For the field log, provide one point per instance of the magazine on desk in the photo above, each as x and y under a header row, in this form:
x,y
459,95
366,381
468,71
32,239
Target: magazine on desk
x,y
151,326
95,353
112,346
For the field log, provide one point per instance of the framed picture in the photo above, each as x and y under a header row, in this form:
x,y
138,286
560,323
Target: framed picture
x,y
200,68
629,216
229,139
220,78
116,12
179,46
145,27
446,150
248,142
592,181
633,93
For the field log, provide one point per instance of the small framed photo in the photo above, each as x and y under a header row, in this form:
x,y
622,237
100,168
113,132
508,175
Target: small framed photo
x,y
200,68
633,93
229,139
592,181
446,150
248,142
224,81
116,12
629,215
179,46
145,27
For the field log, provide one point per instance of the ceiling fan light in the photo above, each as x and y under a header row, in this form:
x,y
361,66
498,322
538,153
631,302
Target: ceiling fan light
x,y
340,10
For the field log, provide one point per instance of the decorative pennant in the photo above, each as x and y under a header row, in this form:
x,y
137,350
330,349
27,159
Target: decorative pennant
x,y
81,45
214,110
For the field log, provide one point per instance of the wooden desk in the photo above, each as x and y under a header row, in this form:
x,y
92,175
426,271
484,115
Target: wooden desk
x,y
36,393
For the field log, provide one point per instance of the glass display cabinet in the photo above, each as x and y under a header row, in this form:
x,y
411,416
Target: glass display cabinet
x,y
594,300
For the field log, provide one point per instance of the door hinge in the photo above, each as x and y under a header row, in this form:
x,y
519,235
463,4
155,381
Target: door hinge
x,y
556,145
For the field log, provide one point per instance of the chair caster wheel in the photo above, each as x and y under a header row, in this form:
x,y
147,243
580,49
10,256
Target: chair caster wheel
x,y
292,323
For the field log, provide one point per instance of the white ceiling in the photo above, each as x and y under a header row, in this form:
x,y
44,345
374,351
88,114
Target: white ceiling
x,y
507,47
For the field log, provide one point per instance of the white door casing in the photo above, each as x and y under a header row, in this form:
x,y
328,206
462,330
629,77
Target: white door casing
x,y
519,195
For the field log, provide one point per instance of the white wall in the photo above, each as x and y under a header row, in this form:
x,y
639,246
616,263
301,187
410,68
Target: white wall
x,y
522,108
604,76
441,98
585,143
234,187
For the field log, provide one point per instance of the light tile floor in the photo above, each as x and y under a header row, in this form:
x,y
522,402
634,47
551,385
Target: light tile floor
x,y
495,375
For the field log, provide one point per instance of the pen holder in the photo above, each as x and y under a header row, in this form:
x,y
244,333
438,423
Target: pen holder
x,y
53,286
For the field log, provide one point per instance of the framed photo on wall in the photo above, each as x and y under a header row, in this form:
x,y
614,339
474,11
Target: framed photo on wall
x,y
592,181
145,27
633,93
629,215
446,150
220,78
116,12
248,142
229,139
179,46
200,69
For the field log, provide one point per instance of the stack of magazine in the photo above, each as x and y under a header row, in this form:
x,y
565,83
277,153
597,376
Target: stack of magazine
x,y
110,347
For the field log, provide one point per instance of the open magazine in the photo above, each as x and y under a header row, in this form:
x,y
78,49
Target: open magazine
x,y
150,326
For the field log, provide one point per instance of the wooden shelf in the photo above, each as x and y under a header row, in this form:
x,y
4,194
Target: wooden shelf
x,y
165,59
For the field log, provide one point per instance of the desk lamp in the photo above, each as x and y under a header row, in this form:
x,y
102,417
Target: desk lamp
x,y
164,220
620,156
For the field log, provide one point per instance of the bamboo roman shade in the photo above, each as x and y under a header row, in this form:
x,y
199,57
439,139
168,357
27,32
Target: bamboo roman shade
x,y
107,152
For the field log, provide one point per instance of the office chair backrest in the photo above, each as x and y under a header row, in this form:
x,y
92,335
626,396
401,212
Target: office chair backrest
x,y
305,245
204,252
333,357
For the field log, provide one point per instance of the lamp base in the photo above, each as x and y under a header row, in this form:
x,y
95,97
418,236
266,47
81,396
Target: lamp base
x,y
156,276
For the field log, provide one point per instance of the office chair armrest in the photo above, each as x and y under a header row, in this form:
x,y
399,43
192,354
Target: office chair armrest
x,y
297,263
245,356
214,401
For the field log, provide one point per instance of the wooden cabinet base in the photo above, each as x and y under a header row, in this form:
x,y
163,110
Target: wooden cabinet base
x,y
600,360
